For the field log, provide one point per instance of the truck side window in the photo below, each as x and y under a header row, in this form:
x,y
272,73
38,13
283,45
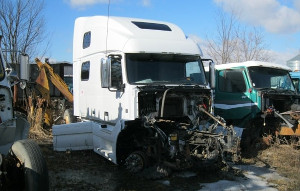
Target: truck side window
x,y
86,40
116,73
85,71
296,83
231,81
194,73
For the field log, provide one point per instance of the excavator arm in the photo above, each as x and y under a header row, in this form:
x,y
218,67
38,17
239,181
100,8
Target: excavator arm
x,y
41,113
46,72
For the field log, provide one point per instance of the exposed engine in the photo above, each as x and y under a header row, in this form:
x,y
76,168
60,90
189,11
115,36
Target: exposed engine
x,y
282,102
277,118
176,129
283,106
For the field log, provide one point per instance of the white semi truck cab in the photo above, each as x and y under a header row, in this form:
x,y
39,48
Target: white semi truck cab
x,y
141,93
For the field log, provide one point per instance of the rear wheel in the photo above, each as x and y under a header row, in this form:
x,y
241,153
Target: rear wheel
x,y
28,170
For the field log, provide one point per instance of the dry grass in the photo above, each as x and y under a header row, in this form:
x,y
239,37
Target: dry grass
x,y
286,160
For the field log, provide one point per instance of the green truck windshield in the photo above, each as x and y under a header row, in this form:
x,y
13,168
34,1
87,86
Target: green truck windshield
x,y
263,77
164,69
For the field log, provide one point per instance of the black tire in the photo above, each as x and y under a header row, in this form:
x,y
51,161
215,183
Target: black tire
x,y
136,162
251,135
34,168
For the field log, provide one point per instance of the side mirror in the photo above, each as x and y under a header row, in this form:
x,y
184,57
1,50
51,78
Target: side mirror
x,y
111,73
24,66
105,72
212,75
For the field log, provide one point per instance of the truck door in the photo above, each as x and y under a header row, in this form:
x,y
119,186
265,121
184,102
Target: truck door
x,y
232,95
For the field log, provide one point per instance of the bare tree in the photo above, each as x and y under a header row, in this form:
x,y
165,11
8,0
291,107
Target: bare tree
x,y
234,43
250,46
222,46
22,26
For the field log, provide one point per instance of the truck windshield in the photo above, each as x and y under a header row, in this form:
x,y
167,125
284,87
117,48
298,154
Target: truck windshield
x,y
164,69
263,77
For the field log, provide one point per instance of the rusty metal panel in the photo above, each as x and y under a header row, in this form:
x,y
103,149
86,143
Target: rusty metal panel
x,y
290,131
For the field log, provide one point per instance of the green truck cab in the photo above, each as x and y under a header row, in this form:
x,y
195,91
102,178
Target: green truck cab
x,y
258,96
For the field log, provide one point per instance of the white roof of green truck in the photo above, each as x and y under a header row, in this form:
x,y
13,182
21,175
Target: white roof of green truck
x,y
252,63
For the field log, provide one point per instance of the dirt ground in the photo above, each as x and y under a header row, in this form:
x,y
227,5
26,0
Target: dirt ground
x,y
85,170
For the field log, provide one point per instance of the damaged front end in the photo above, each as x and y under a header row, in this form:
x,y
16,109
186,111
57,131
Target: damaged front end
x,y
276,121
280,112
176,129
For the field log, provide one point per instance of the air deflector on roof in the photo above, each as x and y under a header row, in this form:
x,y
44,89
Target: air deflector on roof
x,y
152,26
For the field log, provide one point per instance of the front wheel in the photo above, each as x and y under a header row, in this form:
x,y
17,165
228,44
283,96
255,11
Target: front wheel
x,y
136,161
28,170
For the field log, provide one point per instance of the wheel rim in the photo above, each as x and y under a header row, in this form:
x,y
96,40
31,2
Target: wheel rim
x,y
135,162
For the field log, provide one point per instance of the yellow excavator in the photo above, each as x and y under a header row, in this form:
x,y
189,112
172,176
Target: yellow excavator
x,y
39,102
46,71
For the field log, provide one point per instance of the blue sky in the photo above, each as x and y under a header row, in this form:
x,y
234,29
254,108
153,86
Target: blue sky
x,y
278,19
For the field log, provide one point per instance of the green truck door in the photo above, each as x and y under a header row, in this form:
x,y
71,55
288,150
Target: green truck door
x,y
232,97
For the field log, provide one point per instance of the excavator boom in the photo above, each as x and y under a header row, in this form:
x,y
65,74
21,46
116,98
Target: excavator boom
x,y
48,73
